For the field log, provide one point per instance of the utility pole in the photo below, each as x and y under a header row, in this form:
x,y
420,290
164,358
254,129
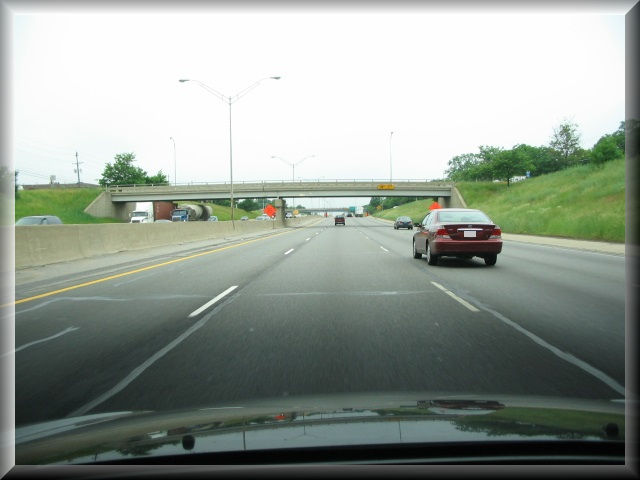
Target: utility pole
x,y
77,169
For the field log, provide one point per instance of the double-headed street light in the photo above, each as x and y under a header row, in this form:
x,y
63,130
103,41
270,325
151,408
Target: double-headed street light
x,y
230,100
390,171
293,169
293,165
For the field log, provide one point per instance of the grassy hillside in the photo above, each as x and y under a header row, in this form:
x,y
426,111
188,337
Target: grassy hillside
x,y
67,203
581,202
224,213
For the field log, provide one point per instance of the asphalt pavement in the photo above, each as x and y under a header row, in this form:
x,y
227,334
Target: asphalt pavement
x,y
316,310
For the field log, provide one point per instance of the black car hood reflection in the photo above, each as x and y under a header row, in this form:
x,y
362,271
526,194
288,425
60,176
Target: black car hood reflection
x,y
316,422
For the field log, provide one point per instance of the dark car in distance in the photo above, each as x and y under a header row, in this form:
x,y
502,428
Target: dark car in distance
x,y
403,222
39,220
457,232
339,220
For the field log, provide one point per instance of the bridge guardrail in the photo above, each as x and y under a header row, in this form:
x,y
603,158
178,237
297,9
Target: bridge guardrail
x,y
114,188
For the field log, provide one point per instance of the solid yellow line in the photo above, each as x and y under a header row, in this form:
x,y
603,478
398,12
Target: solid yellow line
x,y
100,280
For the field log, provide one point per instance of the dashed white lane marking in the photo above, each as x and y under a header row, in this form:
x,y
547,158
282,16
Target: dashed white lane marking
x,y
212,301
456,298
307,239
26,345
288,251
384,248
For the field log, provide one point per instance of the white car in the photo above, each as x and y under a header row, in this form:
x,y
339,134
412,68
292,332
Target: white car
x,y
263,217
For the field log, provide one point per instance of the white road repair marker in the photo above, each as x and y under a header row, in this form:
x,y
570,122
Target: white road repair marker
x,y
288,251
139,370
26,345
456,298
212,301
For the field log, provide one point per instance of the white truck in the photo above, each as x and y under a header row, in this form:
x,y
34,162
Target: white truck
x,y
143,213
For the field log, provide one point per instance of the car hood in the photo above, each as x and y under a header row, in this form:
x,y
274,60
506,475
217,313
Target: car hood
x,y
318,421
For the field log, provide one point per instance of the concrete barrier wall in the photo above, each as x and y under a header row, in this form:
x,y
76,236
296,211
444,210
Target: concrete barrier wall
x,y
42,245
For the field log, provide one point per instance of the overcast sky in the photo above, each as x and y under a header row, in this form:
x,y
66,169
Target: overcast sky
x,y
101,83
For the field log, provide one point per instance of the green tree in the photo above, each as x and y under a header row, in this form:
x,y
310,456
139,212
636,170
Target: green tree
x,y
373,204
606,149
123,172
461,165
565,141
248,204
542,159
509,163
158,179
620,137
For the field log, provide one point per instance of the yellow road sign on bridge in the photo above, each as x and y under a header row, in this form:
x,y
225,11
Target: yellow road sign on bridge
x,y
386,186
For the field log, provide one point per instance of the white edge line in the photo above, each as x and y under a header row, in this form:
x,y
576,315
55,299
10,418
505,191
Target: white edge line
x,y
212,301
581,364
288,251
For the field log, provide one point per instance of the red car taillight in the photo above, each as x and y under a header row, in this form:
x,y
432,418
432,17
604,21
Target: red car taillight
x,y
442,232
496,233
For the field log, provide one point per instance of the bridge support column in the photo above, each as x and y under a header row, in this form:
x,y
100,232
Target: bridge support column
x,y
103,206
281,205
444,202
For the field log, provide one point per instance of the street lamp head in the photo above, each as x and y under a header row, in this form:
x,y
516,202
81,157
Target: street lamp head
x,y
183,80
275,78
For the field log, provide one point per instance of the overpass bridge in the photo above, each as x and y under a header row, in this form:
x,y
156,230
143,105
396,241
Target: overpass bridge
x,y
116,201
281,189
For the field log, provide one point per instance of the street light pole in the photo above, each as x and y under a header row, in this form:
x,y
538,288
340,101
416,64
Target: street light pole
x,y
293,167
390,170
175,177
230,100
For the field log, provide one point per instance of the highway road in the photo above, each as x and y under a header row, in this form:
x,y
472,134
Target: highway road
x,y
320,310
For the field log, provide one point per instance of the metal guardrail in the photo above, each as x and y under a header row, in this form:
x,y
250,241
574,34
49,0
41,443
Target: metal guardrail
x,y
111,188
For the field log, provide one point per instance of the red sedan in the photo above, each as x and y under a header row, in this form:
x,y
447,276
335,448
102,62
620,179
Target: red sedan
x,y
457,232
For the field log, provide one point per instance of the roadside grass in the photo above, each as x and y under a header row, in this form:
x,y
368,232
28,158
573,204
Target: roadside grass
x,y
416,210
540,421
224,213
66,203
69,205
582,202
